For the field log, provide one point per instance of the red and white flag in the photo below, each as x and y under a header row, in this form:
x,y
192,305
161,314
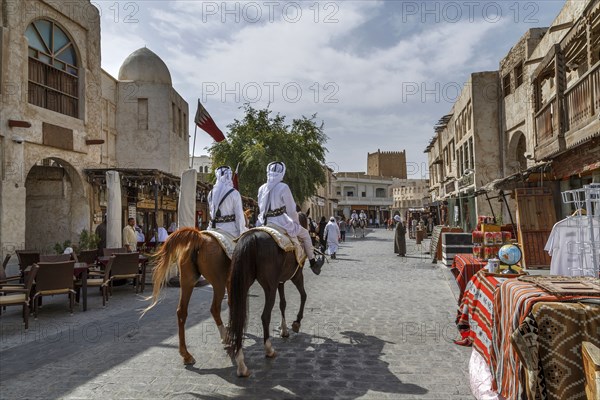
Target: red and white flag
x,y
206,123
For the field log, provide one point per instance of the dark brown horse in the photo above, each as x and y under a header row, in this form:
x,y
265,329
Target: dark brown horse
x,y
258,258
196,253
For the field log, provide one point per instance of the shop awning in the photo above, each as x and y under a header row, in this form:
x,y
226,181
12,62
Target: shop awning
x,y
511,180
165,182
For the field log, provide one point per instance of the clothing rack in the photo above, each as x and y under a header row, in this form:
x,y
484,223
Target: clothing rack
x,y
586,202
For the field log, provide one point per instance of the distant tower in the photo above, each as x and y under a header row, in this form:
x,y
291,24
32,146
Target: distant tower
x,y
387,163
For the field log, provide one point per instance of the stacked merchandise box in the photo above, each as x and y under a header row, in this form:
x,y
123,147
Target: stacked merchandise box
x,y
435,248
455,243
488,240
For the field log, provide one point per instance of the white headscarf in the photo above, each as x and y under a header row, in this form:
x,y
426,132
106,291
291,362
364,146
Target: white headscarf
x,y
397,218
275,174
223,183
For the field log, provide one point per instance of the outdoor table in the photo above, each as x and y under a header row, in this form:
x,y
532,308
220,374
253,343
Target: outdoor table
x,y
550,340
513,304
475,313
464,267
80,271
143,260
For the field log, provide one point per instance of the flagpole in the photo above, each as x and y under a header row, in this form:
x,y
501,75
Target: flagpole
x,y
194,148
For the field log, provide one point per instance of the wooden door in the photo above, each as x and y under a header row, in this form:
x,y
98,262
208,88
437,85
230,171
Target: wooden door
x,y
535,218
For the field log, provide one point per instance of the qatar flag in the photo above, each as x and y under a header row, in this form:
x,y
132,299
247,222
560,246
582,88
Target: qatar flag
x,y
206,123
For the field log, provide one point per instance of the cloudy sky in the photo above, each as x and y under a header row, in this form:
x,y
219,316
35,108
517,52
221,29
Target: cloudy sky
x,y
379,74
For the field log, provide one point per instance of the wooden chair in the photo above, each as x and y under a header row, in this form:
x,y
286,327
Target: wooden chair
x,y
109,251
10,280
27,258
124,266
19,296
54,278
55,257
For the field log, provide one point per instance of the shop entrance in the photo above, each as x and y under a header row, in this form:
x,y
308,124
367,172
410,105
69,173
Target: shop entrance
x,y
535,218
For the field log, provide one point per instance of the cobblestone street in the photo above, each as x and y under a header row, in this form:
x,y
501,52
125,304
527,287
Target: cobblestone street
x,y
376,326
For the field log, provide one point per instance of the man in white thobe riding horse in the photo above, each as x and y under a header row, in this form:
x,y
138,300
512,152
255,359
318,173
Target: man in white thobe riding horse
x,y
363,216
225,204
353,217
277,206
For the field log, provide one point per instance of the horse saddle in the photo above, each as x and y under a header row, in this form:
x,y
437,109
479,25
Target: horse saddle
x,y
225,240
284,241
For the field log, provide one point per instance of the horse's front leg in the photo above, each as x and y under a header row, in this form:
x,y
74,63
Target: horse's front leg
x,y
282,304
215,308
270,295
186,288
298,281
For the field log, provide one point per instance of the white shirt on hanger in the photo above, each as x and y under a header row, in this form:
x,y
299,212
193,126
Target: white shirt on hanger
x,y
570,247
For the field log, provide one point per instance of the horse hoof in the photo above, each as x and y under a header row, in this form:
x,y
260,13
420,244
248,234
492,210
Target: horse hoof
x,y
285,334
271,355
189,360
244,374
296,326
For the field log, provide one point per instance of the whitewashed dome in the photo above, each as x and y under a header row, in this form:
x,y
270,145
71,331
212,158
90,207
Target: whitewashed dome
x,y
143,65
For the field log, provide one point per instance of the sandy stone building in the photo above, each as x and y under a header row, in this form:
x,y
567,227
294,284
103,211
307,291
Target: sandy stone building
x,y
325,201
465,154
61,115
387,163
409,193
359,191
548,131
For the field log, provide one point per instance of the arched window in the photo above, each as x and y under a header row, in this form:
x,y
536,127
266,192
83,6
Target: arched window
x,y
53,72
520,154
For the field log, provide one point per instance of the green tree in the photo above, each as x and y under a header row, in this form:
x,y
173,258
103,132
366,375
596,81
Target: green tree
x,y
261,138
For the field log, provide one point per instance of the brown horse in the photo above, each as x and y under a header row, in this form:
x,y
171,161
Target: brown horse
x,y
197,253
258,258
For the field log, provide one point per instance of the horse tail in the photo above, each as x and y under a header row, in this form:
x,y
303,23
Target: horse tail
x,y
243,273
181,240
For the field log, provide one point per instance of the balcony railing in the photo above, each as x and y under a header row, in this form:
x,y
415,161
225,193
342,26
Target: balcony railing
x,y
373,201
582,99
546,121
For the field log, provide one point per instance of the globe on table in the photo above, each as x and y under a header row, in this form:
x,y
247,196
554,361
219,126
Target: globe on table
x,y
510,254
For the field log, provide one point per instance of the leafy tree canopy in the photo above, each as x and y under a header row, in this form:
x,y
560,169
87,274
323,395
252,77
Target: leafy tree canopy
x,y
261,138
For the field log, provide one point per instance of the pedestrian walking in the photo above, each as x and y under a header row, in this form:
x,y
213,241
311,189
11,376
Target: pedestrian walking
x,y
332,237
322,224
399,237
342,226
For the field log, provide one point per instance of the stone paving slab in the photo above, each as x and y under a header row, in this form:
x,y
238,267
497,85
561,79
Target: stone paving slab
x,y
376,326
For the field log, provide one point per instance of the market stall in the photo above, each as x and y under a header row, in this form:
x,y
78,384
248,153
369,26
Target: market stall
x,y
521,325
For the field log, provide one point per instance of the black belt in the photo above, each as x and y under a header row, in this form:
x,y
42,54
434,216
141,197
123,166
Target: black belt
x,y
275,213
224,218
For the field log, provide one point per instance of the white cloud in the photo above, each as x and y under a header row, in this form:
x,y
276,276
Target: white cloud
x,y
206,49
